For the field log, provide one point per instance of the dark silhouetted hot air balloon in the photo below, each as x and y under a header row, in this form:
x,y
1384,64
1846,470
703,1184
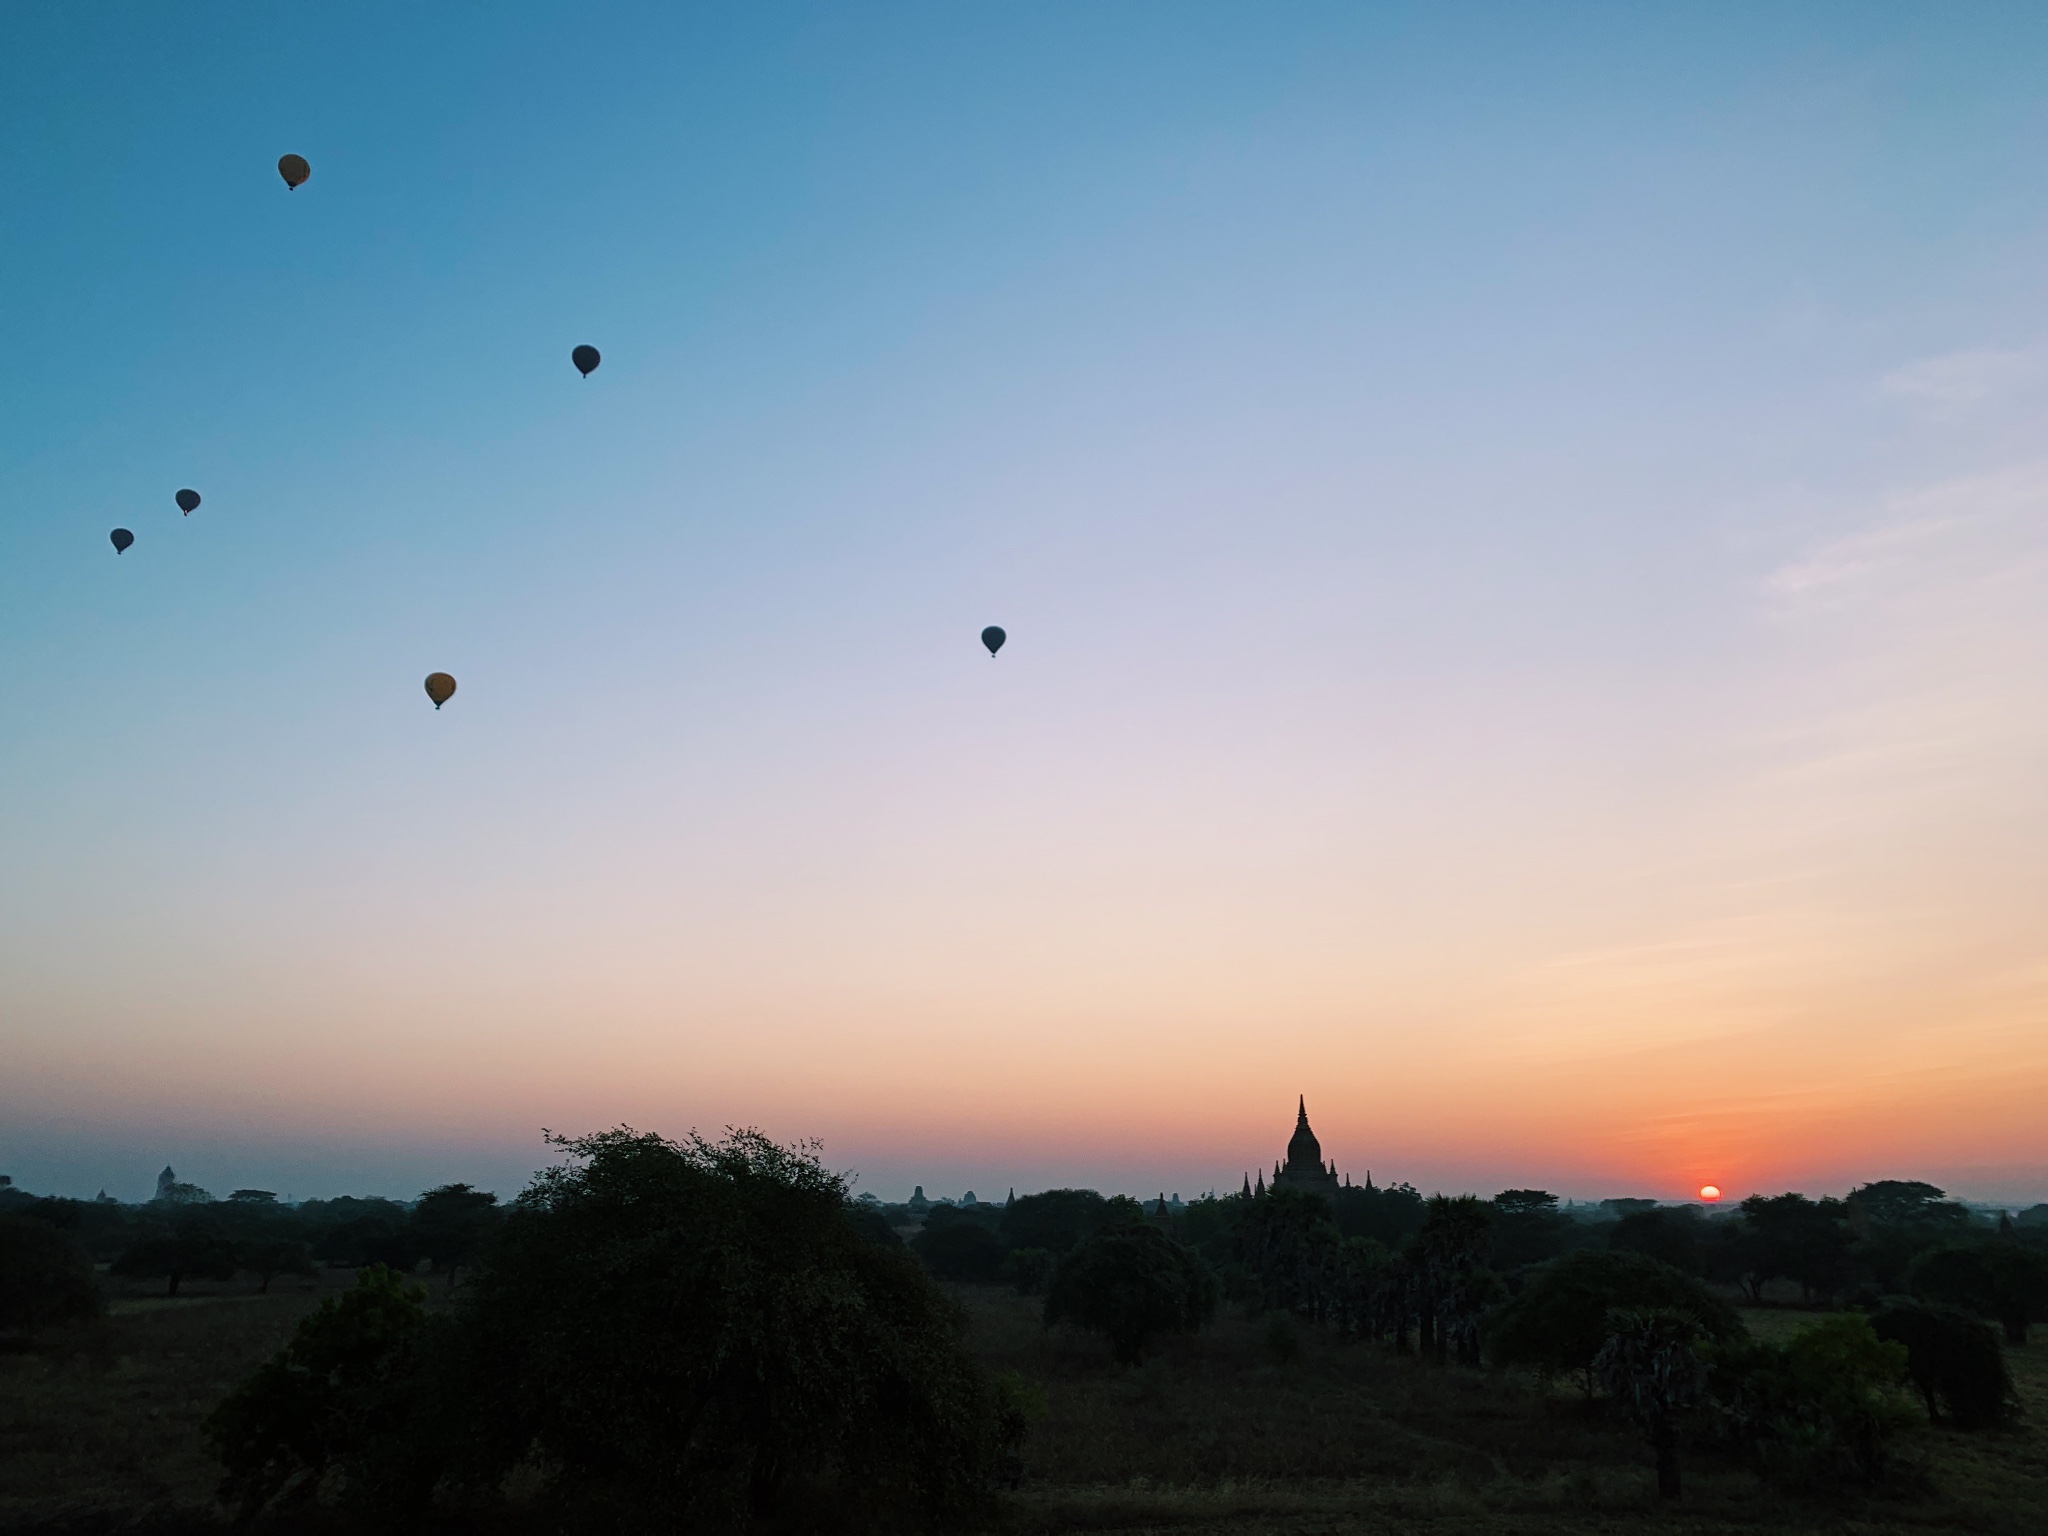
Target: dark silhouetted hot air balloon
x,y
122,539
993,637
440,688
188,502
586,360
294,170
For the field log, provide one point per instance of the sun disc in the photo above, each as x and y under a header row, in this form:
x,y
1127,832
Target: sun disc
x,y
1710,1191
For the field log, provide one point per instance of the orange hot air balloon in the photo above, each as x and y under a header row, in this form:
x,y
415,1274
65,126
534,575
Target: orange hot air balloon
x,y
294,170
440,688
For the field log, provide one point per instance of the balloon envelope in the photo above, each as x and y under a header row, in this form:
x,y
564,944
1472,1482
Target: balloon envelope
x,y
586,360
294,170
122,539
440,688
993,637
188,502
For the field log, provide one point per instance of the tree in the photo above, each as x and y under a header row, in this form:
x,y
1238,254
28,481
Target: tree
x,y
193,1253
1895,1220
960,1250
1055,1220
1800,1239
451,1225
1648,1367
340,1396
1671,1236
1131,1282
1289,1247
692,1333
45,1277
1527,1228
1559,1322
1388,1215
267,1258
1450,1287
1999,1280
1954,1360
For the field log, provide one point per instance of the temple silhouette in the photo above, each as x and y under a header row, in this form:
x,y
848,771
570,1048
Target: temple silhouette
x,y
1304,1168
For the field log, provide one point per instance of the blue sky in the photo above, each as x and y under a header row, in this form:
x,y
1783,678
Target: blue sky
x,y
1482,498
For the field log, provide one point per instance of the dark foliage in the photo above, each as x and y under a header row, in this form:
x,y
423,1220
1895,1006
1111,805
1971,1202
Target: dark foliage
x,y
1527,1229
1954,1360
268,1257
45,1277
694,1334
1816,1411
1559,1322
189,1253
451,1226
960,1250
1793,1238
1670,1236
339,1402
1388,1216
1649,1368
1131,1283
1055,1220
1998,1279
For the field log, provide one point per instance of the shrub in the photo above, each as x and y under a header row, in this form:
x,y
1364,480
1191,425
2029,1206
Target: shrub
x,y
45,1277
1131,1283
1817,1410
337,1399
1559,1322
1953,1358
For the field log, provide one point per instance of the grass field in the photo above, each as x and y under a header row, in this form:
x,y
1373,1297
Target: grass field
x,y
100,1432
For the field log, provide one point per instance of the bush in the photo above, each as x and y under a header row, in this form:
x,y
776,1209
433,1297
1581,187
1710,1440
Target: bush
x,y
1953,1358
1815,1411
45,1277
1131,1283
960,1250
337,1399
1559,1322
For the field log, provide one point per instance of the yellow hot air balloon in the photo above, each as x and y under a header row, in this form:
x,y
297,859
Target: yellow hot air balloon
x,y
440,688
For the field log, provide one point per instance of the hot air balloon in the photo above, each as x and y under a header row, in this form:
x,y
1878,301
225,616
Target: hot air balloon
x,y
294,170
586,360
440,688
993,637
188,502
122,539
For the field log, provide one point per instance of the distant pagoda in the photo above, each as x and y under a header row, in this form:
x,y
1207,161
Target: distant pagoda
x,y
1304,1169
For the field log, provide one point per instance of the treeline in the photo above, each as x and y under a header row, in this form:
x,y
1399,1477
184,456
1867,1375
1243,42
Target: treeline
x,y
189,1235
1637,1309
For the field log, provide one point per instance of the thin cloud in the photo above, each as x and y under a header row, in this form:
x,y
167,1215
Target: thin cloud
x,y
1956,380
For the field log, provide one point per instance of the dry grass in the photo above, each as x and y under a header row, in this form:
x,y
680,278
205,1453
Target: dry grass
x,y
100,1432
1214,1434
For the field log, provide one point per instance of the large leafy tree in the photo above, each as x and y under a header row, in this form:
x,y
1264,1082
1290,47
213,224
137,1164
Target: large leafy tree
x,y
451,1225
1997,1279
693,1332
1798,1239
45,1277
1561,1319
1131,1282
187,1253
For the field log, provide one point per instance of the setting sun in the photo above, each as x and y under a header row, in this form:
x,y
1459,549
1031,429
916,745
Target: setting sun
x,y
1710,1191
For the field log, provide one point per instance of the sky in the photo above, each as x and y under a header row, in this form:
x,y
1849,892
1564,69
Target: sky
x,y
1523,535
